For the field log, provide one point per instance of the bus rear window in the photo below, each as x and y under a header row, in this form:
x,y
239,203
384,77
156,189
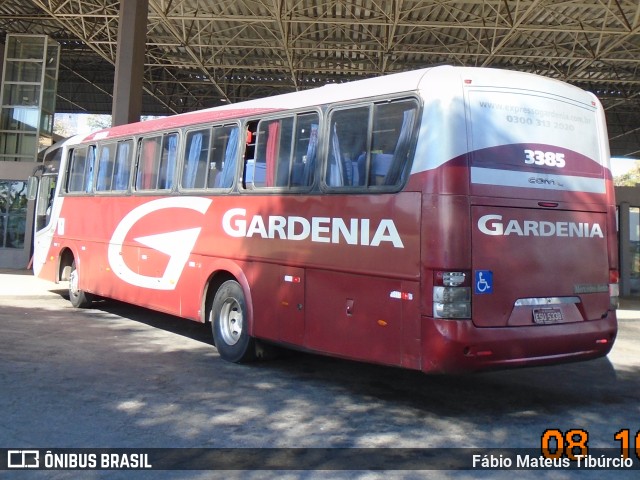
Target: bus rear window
x,y
548,132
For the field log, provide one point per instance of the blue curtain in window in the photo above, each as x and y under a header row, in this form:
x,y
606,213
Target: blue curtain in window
x,y
193,159
104,169
230,159
171,161
402,148
310,166
121,175
334,173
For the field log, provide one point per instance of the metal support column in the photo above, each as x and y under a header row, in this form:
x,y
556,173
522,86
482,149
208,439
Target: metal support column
x,y
132,37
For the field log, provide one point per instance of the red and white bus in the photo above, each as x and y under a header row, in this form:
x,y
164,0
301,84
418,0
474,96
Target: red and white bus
x,y
445,219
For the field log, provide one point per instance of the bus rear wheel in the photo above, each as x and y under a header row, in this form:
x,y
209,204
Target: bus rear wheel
x,y
78,298
229,324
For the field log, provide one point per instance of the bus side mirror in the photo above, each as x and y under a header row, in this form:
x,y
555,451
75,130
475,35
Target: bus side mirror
x,y
32,188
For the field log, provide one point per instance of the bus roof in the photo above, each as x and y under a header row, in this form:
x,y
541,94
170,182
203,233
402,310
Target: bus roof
x,y
386,84
332,93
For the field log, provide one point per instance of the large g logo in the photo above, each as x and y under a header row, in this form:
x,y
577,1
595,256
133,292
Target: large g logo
x,y
177,245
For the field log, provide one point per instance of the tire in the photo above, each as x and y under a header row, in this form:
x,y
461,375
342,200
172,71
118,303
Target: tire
x,y
78,298
229,324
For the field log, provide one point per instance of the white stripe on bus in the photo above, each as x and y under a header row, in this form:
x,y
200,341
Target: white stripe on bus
x,y
510,178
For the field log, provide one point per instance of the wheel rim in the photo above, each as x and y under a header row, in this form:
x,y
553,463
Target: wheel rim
x,y
231,320
73,283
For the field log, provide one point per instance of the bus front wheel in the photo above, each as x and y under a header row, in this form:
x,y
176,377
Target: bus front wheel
x,y
78,298
229,324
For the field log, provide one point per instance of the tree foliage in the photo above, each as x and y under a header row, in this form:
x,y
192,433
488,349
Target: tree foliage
x,y
628,179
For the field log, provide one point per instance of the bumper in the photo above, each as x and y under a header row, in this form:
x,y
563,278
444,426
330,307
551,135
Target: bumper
x,y
457,346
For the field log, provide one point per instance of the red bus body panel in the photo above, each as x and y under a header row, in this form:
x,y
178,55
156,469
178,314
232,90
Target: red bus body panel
x,y
325,290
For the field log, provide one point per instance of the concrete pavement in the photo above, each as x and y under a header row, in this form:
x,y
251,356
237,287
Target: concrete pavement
x,y
118,376
23,284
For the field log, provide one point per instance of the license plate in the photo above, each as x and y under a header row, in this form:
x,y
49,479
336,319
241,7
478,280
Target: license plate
x,y
547,315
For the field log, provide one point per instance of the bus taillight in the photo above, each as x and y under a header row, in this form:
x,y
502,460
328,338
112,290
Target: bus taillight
x,y
614,287
452,294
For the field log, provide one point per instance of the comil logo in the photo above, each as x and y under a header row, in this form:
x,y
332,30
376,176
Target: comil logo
x,y
23,459
177,245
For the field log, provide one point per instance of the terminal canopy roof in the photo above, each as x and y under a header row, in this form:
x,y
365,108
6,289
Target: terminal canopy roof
x,y
202,53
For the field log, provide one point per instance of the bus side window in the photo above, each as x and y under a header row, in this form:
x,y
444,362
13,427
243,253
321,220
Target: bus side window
x,y
75,172
148,153
282,159
80,172
285,152
306,146
196,159
168,160
273,153
157,160
106,159
348,142
122,167
369,146
224,157
249,154
393,127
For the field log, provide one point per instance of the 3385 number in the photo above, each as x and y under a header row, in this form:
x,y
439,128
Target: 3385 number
x,y
539,157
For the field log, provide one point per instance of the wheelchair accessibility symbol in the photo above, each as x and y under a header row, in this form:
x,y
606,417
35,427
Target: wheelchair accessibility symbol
x,y
484,282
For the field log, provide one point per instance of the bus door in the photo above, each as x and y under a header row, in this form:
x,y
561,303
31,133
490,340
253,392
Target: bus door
x,y
44,224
